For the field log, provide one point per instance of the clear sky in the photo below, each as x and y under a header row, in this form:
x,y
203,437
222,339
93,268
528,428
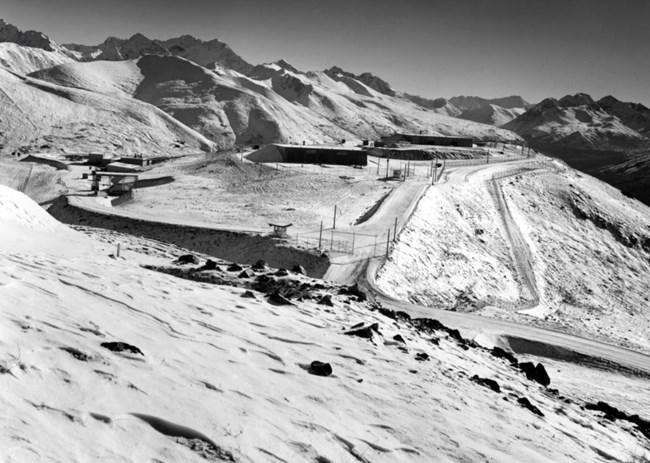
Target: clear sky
x,y
433,48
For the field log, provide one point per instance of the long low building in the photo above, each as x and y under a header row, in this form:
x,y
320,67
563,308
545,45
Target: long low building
x,y
419,139
301,154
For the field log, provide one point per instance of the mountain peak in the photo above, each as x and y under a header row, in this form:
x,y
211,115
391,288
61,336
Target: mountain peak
x,y
366,78
579,99
33,39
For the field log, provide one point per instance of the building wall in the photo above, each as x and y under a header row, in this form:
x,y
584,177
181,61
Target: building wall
x,y
429,140
311,155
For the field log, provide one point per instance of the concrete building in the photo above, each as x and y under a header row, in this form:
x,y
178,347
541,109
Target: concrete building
x,y
419,139
300,154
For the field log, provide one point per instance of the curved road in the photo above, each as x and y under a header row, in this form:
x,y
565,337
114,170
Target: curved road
x,y
522,338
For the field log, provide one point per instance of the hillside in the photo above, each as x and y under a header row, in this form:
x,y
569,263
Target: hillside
x,y
631,176
41,116
634,115
145,362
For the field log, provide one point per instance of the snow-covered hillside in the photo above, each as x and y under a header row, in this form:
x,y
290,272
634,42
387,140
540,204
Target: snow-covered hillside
x,y
102,359
587,245
41,116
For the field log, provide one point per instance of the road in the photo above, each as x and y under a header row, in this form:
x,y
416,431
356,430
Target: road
x,y
523,339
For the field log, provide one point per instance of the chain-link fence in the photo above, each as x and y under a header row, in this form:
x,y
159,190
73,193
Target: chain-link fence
x,y
343,242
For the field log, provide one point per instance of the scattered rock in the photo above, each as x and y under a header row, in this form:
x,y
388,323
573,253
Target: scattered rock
x,y
326,299
76,353
121,347
299,269
421,356
320,368
249,294
504,354
187,259
281,272
259,265
235,268
278,299
209,265
524,402
246,274
486,382
398,337
613,414
363,330
535,373
354,290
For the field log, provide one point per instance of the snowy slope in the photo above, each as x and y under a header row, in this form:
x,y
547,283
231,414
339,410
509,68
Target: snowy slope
x,y
206,374
38,116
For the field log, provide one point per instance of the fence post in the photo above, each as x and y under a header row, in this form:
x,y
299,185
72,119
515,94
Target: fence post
x,y
118,250
332,240
334,227
387,242
320,235
395,232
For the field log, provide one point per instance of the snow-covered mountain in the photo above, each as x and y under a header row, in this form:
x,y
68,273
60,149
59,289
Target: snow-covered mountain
x,y
492,114
577,121
276,103
25,52
467,103
634,115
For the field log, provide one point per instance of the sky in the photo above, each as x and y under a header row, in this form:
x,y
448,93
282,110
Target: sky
x,y
435,48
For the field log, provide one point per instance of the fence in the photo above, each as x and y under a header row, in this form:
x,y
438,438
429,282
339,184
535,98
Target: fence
x,y
342,242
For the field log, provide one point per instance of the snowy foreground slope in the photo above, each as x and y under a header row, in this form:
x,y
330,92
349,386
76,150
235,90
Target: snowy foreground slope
x,y
211,375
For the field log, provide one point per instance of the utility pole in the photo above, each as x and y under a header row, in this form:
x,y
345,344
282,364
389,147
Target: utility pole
x,y
395,232
334,226
387,164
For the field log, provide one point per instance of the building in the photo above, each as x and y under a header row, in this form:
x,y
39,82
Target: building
x,y
301,154
418,139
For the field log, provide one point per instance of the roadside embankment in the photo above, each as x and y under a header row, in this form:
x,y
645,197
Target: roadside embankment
x,y
229,245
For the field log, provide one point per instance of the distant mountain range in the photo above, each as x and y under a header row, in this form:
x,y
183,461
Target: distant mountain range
x,y
171,96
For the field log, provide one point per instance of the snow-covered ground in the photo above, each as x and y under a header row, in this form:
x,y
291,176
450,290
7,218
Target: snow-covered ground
x,y
217,375
589,245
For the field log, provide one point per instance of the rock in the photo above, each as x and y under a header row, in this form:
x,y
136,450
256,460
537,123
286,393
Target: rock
x,y
209,265
535,373
259,265
76,353
399,338
188,259
363,331
486,382
121,347
281,272
246,274
524,402
354,290
326,299
320,368
299,269
276,298
421,356
504,354
235,268
249,294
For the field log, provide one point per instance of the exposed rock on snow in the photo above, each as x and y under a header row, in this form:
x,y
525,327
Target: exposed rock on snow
x,y
492,115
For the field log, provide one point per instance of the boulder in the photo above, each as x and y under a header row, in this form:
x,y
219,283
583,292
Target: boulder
x,y
209,265
486,382
326,299
421,356
281,272
299,269
259,265
246,274
504,354
320,368
188,259
276,298
524,402
363,330
235,268
116,346
535,373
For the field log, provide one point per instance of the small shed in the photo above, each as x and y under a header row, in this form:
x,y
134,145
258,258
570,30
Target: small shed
x,y
279,230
